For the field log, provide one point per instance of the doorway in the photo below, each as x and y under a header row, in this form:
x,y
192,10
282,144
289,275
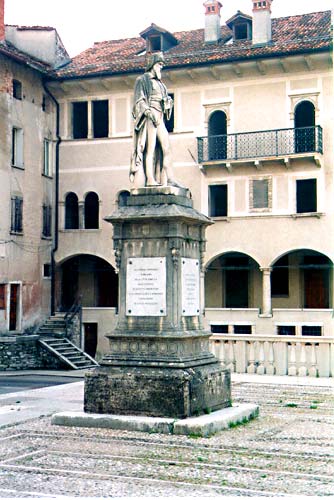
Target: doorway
x,y
90,333
14,296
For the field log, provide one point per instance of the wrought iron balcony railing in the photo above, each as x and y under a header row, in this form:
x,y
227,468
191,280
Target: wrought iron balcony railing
x,y
266,143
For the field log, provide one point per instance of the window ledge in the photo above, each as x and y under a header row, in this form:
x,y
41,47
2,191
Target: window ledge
x,y
48,238
47,176
307,214
220,218
97,230
20,167
17,233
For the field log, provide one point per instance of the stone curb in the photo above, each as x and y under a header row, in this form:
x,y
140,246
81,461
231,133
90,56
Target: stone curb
x,y
204,425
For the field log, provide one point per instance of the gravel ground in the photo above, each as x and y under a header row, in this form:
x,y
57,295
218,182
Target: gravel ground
x,y
288,450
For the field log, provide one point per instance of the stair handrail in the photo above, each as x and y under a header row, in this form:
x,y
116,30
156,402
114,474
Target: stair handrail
x,y
74,310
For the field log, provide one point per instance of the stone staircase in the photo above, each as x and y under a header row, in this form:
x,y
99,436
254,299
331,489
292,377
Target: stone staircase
x,y
53,338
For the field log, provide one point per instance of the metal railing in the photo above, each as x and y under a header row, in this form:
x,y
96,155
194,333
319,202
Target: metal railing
x,y
73,321
261,144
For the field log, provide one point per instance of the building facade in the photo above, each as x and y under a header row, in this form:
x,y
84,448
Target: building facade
x,y
28,138
252,138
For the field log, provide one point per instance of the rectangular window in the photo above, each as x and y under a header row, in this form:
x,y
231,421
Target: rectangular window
x,y
47,219
286,330
243,329
16,214
100,118
17,89
218,200
311,331
306,194
219,328
155,43
260,190
80,120
280,278
2,296
47,271
17,147
47,170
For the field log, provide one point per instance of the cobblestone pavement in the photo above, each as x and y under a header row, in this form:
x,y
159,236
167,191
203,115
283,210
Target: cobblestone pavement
x,y
287,451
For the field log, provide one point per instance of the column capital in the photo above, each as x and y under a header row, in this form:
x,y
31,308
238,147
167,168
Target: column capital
x,y
266,270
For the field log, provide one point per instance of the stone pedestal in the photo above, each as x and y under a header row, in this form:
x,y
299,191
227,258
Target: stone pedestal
x,y
159,362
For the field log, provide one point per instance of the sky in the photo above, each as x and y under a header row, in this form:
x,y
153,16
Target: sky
x,y
80,23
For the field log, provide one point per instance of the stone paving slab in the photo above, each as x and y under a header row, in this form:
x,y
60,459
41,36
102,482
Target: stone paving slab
x,y
287,450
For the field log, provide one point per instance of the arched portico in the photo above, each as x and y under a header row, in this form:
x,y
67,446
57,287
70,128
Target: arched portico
x,y
89,277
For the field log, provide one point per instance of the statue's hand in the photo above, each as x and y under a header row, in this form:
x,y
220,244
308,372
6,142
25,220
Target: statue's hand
x,y
150,116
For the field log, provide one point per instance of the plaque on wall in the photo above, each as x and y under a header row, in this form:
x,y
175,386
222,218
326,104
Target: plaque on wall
x,y
190,287
146,286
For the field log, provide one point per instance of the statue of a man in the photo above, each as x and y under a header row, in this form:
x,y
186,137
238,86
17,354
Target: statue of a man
x,y
151,163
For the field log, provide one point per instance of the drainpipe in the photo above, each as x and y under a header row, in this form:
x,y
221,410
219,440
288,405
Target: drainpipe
x,y
56,226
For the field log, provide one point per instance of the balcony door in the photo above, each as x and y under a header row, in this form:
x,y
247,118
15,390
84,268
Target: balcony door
x,y
305,127
217,136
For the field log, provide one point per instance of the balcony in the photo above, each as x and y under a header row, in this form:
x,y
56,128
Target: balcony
x,y
282,145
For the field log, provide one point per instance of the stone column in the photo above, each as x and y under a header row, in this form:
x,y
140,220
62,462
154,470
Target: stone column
x,y
266,292
90,120
81,215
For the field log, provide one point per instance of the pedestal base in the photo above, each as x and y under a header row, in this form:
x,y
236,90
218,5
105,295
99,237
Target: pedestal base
x,y
157,392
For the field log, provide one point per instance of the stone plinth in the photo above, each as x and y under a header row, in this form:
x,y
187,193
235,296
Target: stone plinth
x,y
159,362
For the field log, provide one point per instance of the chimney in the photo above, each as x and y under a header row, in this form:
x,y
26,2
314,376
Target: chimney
x,y
261,22
2,20
212,31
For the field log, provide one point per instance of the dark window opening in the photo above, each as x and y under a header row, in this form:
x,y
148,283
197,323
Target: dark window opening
x,y
155,43
306,196
305,127
91,211
218,200
240,31
16,215
219,328
47,270
17,89
47,220
286,330
261,193
80,120
122,197
100,118
280,278
217,140
242,329
2,296
236,282
311,331
170,123
71,211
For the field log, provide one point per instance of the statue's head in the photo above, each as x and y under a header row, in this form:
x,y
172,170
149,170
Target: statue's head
x,y
153,59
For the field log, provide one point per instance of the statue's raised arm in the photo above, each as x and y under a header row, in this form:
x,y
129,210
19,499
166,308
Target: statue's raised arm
x,y
151,162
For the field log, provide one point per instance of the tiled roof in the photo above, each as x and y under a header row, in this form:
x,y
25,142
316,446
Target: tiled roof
x,y
12,52
290,35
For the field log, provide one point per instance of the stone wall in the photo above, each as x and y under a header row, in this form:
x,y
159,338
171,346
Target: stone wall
x,y
25,353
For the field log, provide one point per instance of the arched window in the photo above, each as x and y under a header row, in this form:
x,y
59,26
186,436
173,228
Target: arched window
x,y
71,211
217,135
304,127
91,211
122,197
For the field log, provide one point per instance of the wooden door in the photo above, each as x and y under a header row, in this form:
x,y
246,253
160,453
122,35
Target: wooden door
x,y
316,289
13,306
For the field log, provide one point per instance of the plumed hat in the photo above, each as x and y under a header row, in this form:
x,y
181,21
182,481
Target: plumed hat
x,y
153,59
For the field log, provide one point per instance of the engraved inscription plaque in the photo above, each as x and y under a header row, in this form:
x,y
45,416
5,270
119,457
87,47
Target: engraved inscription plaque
x,y
146,286
190,287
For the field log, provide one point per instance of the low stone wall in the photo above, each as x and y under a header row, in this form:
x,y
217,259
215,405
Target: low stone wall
x,y
23,352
